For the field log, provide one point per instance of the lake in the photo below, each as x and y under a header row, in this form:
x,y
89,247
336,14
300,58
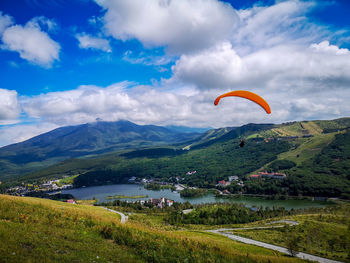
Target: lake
x,y
101,193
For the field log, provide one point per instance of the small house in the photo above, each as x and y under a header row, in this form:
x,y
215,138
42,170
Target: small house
x,y
222,183
233,178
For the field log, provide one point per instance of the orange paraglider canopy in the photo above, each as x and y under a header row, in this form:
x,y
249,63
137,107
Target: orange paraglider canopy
x,y
247,95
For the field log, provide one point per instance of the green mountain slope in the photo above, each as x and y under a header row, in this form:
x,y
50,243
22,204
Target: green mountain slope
x,y
212,157
39,230
299,149
83,140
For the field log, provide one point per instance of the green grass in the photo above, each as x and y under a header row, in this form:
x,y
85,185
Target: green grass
x,y
304,149
36,230
86,202
39,230
68,180
307,148
298,129
289,130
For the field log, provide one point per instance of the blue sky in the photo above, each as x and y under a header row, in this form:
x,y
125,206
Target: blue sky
x,y
164,62
76,66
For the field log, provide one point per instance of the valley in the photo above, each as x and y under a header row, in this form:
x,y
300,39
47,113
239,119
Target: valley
x,y
285,173
313,155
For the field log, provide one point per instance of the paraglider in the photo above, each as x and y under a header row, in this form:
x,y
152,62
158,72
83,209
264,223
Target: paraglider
x,y
247,95
242,143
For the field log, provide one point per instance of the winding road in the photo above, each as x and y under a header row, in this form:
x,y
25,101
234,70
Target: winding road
x,y
222,231
123,219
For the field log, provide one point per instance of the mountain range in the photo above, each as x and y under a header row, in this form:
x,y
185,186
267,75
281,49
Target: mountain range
x,y
315,155
85,140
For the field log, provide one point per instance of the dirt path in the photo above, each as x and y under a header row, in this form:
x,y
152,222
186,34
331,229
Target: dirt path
x,y
123,219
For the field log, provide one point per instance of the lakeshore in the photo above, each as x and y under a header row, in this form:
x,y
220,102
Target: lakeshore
x,y
138,191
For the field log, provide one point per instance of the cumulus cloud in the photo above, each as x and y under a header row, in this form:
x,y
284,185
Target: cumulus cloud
x,y
326,47
275,51
185,26
214,67
188,107
275,67
80,105
31,42
299,82
9,107
90,42
182,26
19,133
5,21
268,26
148,105
141,104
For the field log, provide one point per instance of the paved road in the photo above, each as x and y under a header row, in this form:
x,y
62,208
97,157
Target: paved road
x,y
289,222
123,219
187,211
269,246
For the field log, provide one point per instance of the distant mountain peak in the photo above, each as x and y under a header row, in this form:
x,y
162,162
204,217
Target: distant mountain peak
x,y
87,139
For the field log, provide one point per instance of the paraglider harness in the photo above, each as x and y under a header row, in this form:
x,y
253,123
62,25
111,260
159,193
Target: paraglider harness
x,y
242,143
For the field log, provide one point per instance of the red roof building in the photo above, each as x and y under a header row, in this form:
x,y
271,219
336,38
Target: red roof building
x,y
254,176
223,183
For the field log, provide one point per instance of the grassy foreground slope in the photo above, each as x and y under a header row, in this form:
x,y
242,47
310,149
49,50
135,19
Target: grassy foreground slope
x,y
38,230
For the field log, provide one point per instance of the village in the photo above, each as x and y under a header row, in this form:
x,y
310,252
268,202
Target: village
x,y
157,202
52,187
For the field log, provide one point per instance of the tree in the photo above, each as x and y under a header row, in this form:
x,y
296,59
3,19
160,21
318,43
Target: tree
x,y
293,244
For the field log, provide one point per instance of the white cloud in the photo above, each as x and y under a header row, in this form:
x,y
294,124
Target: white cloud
x,y
9,107
326,47
274,51
278,24
186,25
180,25
188,107
5,21
276,67
141,104
19,133
147,60
43,22
89,42
31,43
215,67
95,21
144,105
299,82
80,105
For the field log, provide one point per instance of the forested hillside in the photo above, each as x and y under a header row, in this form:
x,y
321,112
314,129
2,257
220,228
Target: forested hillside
x,y
314,155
